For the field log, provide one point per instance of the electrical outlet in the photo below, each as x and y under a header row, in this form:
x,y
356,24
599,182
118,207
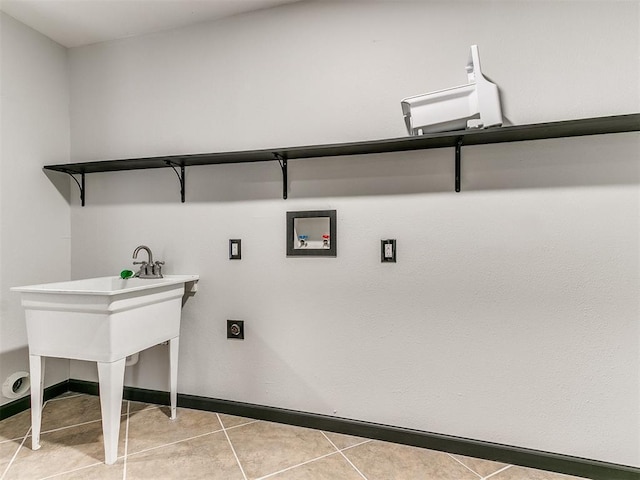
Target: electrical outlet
x,y
235,329
388,251
235,250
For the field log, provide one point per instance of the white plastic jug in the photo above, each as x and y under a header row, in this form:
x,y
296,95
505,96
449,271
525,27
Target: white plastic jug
x,y
474,105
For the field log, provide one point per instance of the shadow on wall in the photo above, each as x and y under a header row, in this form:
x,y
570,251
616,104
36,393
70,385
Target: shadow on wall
x,y
572,162
259,380
61,182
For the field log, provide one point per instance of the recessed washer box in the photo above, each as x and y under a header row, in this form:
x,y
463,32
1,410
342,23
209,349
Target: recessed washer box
x,y
312,233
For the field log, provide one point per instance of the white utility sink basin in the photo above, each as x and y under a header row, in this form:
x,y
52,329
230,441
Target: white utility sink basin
x,y
104,320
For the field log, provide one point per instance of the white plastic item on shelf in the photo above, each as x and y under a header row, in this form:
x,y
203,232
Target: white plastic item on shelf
x,y
474,105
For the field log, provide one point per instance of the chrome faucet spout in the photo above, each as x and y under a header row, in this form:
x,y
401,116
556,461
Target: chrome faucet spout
x,y
143,247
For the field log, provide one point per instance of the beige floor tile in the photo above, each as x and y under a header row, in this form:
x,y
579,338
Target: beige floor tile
x,y
480,466
232,421
136,407
265,447
64,412
61,451
333,467
208,457
96,472
388,461
67,394
70,411
7,450
193,447
152,427
16,426
344,441
522,473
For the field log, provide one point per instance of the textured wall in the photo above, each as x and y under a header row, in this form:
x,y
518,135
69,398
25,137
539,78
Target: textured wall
x,y
34,212
512,313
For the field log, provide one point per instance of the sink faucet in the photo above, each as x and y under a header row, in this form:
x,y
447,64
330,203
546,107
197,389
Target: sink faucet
x,y
148,269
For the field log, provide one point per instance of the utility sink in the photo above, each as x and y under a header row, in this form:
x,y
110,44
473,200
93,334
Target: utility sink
x,y
103,320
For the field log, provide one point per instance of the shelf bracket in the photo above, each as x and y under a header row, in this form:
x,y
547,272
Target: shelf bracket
x,y
180,175
457,167
80,185
282,160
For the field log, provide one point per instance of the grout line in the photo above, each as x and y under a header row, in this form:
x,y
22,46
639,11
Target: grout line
x,y
65,398
343,455
68,426
75,425
244,475
465,466
495,473
173,443
71,471
356,445
320,458
126,442
42,432
329,440
87,423
13,439
24,439
190,438
126,448
238,426
298,465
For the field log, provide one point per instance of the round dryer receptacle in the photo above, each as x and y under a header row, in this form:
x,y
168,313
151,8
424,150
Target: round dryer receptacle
x,y
16,385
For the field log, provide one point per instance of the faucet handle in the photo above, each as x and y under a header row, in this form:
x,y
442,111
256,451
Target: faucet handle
x,y
156,268
139,263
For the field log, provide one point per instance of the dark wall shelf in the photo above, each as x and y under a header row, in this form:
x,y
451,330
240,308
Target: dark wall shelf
x,y
458,139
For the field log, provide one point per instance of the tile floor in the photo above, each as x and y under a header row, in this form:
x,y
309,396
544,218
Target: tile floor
x,y
206,445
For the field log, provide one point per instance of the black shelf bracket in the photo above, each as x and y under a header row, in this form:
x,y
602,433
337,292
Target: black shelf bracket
x,y
457,166
180,175
80,185
282,160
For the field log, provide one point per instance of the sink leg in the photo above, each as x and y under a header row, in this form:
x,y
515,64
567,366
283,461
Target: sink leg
x,y
173,375
111,379
36,367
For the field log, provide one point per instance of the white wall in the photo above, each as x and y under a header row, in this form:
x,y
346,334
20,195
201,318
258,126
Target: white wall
x,y
34,212
512,313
